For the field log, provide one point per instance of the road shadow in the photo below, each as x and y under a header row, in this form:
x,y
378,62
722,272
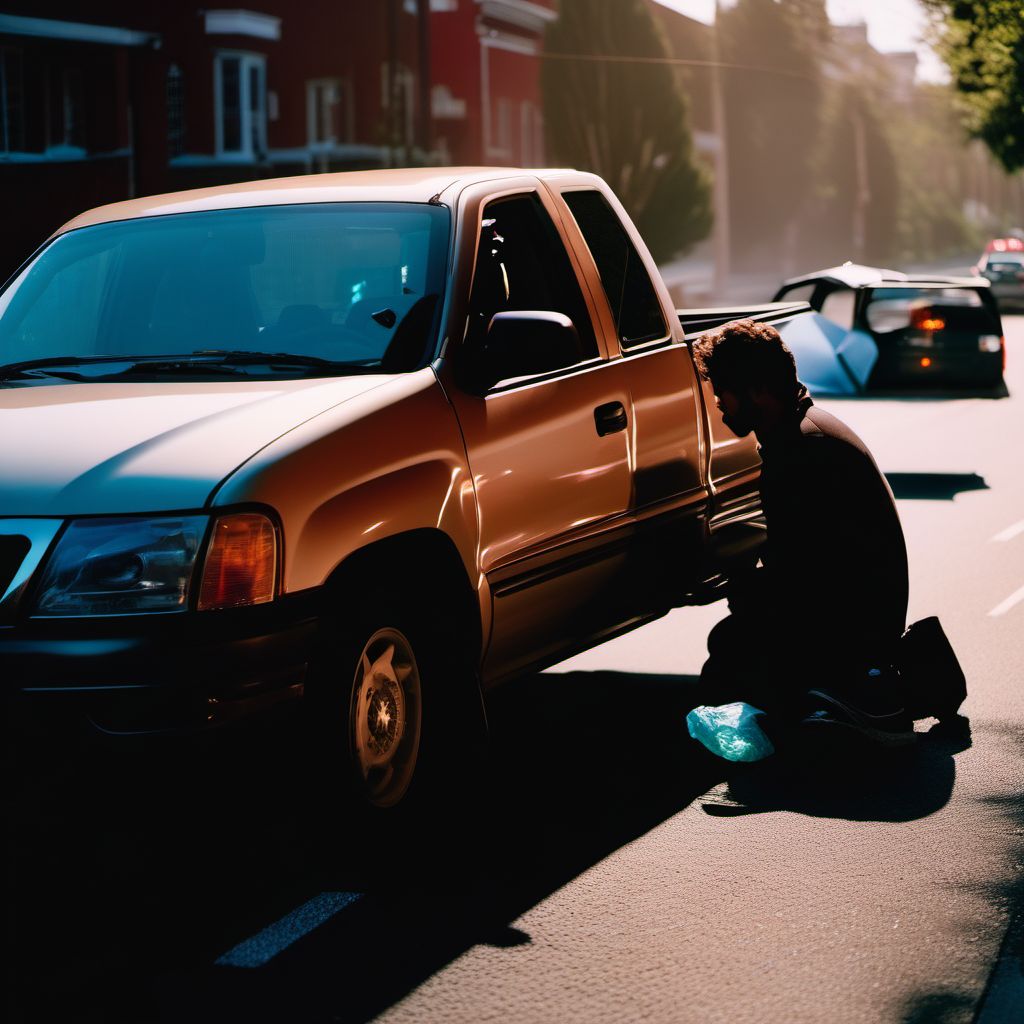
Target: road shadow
x,y
934,486
138,870
840,779
136,873
940,392
1001,997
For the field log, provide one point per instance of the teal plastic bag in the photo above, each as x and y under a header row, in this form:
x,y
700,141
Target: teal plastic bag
x,y
731,731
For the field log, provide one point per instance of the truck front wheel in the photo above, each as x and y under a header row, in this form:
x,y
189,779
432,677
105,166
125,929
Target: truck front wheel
x,y
392,703
384,717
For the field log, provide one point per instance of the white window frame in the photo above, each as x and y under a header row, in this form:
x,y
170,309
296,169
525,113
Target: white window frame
x,y
405,84
247,62
344,101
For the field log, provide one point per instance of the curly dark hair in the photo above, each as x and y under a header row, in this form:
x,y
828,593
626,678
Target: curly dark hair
x,y
746,354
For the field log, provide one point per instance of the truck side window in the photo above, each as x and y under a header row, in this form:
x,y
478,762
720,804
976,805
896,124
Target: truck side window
x,y
522,264
633,300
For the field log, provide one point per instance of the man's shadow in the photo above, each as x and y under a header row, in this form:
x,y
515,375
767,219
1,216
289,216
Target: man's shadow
x,y
850,779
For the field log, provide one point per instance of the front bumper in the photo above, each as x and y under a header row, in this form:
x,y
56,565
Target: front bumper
x,y
157,673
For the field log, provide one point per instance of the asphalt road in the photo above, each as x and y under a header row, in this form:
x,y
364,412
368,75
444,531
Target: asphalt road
x,y
598,870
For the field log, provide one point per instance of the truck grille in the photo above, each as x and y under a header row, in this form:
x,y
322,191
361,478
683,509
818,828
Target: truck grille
x,y
13,550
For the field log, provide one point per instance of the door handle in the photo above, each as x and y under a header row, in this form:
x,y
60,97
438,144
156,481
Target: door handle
x,y
610,418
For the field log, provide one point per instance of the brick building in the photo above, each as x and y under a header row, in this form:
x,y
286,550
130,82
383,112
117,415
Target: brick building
x,y
486,99
133,97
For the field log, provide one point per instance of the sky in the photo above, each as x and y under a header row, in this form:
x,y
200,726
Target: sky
x,y
892,25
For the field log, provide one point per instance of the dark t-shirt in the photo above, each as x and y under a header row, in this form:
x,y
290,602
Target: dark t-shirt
x,y
836,559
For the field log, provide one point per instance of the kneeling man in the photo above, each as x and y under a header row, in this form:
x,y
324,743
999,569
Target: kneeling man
x,y
814,627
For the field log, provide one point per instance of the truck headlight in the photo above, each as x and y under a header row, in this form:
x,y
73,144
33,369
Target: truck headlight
x,y
121,566
990,343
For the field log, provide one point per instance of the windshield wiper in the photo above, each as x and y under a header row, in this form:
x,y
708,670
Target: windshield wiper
x,y
24,368
246,357
204,359
196,362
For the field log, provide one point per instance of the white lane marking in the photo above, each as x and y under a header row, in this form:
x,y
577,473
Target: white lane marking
x,y
1015,598
1010,532
277,937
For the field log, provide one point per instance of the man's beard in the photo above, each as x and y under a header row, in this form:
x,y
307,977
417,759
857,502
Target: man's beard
x,y
741,422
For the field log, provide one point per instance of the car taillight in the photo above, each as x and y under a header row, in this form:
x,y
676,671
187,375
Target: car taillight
x,y
241,562
926,320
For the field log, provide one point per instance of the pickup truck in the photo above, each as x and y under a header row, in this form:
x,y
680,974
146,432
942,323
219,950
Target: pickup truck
x,y
380,440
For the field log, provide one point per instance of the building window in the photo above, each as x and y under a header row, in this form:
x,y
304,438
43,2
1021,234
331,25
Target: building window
x,y
328,111
175,111
66,107
503,126
12,111
398,95
531,135
241,99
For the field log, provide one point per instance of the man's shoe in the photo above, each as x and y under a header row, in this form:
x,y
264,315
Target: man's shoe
x,y
888,728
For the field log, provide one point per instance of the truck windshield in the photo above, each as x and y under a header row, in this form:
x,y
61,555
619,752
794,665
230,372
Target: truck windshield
x,y
357,284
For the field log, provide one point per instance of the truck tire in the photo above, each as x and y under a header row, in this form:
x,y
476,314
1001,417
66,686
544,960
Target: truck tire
x,y
386,700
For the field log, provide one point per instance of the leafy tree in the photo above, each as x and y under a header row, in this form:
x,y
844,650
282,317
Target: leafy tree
x,y
626,121
773,93
982,41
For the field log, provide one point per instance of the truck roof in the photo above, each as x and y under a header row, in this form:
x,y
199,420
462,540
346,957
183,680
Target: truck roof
x,y
396,185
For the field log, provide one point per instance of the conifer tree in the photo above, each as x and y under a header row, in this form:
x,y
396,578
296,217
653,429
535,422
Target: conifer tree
x,y
626,121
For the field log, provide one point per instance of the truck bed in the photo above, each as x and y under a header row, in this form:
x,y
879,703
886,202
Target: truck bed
x,y
697,321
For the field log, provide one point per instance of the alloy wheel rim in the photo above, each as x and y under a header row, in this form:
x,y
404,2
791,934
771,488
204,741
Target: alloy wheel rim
x,y
384,717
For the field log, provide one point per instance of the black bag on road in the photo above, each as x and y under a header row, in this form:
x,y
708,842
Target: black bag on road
x,y
933,681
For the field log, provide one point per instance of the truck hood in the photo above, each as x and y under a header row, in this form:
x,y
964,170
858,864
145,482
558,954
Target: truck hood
x,y
81,449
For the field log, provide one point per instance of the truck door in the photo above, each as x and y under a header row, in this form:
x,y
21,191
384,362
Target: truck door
x,y
549,453
670,499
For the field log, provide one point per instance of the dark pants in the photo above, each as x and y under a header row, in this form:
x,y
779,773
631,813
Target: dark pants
x,y
770,659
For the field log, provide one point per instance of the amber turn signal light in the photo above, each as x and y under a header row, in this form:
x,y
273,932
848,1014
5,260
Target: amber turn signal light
x,y
926,320
241,562
926,362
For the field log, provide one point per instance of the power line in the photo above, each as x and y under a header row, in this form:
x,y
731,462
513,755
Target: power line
x,y
599,58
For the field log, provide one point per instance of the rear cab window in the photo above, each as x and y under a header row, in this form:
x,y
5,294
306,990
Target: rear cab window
x,y
634,303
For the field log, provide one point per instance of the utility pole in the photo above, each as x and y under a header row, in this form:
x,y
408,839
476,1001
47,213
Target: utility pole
x,y
425,133
862,193
722,227
394,113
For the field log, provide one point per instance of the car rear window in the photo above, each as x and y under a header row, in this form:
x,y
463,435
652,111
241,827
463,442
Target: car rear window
x,y
898,309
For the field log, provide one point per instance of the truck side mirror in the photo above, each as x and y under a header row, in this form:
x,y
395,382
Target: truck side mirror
x,y
521,343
